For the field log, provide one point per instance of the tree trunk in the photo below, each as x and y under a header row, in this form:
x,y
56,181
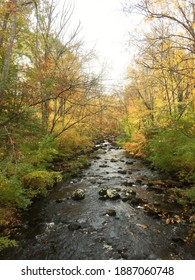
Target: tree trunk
x,y
8,52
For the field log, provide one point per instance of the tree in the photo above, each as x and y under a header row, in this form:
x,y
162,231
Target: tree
x,y
179,13
166,54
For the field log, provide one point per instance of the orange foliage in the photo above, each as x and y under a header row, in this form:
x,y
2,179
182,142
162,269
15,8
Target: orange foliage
x,y
136,145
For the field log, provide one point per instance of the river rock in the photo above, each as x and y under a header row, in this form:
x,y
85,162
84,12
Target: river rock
x,y
103,192
103,165
97,157
99,182
124,198
93,180
129,162
138,201
138,181
118,189
111,212
112,194
49,226
130,192
113,160
128,183
74,226
78,194
122,171
127,195
152,211
178,239
103,198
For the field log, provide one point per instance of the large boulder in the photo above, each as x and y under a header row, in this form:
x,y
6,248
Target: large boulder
x,y
78,194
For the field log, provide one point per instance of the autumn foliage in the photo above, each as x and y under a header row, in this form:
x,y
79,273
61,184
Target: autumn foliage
x,y
160,93
136,146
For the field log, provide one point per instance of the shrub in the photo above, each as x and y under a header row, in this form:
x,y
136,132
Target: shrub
x,y
187,196
37,182
75,166
73,143
25,161
12,192
5,242
172,149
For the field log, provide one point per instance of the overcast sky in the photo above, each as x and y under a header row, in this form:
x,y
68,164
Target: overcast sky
x,y
106,27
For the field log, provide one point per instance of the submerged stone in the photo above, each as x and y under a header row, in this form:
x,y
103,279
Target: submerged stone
x,y
137,201
128,183
129,162
113,160
74,226
102,198
111,212
122,172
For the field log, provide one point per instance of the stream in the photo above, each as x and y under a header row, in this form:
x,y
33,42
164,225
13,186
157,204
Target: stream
x,y
100,228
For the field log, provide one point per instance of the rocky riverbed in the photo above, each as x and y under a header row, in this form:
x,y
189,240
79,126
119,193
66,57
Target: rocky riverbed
x,y
117,209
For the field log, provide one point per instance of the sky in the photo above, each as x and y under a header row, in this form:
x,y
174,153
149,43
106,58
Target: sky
x,y
106,28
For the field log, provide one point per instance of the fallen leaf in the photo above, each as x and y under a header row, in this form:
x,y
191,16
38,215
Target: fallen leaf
x,y
142,226
168,221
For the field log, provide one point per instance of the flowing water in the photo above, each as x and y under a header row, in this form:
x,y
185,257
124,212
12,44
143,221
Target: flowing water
x,y
58,227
